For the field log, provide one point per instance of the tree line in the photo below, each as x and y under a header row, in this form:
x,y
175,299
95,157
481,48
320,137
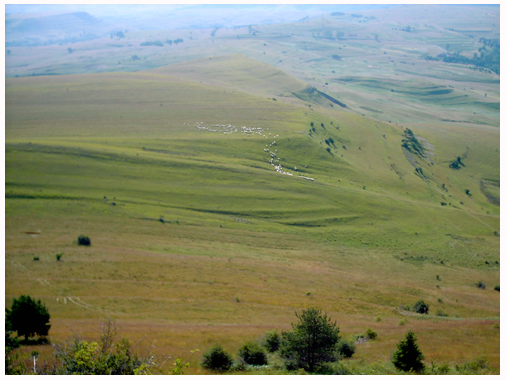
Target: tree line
x,y
311,346
489,56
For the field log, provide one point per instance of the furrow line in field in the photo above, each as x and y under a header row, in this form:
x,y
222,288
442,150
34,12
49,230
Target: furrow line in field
x,y
61,292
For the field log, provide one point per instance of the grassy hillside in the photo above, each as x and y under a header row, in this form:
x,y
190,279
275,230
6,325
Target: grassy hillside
x,y
375,61
197,238
236,72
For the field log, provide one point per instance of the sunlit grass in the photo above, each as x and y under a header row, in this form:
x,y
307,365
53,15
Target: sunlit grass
x,y
195,239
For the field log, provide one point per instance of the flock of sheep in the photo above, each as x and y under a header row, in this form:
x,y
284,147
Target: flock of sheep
x,y
228,129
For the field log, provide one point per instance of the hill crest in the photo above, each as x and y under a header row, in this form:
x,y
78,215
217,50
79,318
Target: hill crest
x,y
236,71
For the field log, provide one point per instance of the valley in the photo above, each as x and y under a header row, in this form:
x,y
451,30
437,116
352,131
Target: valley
x,y
246,173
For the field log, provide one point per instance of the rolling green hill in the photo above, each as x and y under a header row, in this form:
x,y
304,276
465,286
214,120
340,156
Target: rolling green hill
x,y
236,72
218,202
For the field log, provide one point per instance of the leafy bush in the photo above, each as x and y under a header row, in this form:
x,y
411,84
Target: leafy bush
x,y
83,240
421,307
441,369
272,341
11,343
84,358
58,256
217,359
345,349
371,334
474,366
239,366
311,343
28,317
440,313
480,285
100,358
252,354
497,287
180,365
408,356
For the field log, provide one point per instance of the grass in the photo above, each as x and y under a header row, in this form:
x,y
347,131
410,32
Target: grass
x,y
366,236
308,57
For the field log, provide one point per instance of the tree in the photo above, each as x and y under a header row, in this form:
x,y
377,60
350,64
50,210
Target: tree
x,y
28,317
312,342
408,356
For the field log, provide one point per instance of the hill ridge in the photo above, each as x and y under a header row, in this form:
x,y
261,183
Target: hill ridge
x,y
236,71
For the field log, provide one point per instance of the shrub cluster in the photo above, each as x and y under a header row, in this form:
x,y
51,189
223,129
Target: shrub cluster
x,y
272,341
480,285
83,240
252,353
217,359
345,348
310,347
421,307
371,334
80,357
84,358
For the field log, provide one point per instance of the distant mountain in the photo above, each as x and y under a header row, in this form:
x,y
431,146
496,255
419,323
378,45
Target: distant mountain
x,y
68,22
47,29
43,19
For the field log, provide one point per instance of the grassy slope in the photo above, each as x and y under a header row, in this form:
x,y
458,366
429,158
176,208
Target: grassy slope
x,y
376,48
245,245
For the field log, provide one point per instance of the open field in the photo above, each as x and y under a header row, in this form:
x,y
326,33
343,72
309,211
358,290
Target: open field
x,y
187,179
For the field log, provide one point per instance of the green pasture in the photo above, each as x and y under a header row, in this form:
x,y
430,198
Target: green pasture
x,y
144,139
194,232
376,49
